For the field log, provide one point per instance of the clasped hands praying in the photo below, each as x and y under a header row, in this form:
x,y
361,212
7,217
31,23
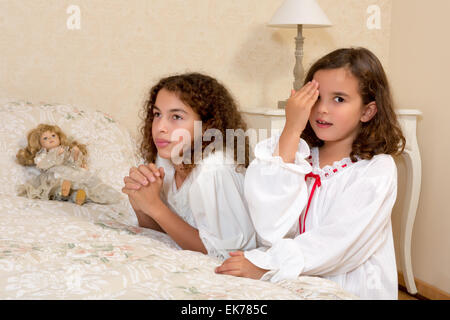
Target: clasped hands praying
x,y
143,186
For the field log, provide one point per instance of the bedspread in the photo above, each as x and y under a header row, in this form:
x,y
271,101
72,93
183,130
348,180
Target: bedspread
x,y
58,250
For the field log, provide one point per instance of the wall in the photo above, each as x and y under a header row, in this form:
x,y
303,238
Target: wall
x,y
124,47
419,60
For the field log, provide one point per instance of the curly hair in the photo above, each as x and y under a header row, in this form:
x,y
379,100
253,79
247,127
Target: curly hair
x,y
26,155
210,100
382,134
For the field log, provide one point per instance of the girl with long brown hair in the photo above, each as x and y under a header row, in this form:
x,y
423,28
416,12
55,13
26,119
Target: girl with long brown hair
x,y
321,194
192,184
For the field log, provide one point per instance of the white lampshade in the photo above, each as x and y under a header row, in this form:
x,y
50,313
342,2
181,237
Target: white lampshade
x,y
294,12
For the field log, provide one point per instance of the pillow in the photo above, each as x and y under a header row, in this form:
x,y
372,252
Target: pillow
x,y
111,149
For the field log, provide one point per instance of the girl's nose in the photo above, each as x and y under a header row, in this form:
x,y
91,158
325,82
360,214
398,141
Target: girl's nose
x,y
161,125
321,106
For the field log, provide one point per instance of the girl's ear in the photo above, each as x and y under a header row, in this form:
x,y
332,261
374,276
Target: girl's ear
x,y
370,111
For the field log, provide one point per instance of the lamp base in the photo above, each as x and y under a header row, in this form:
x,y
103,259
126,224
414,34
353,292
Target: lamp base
x,y
282,104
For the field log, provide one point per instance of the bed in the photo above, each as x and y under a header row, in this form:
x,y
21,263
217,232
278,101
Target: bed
x,y
59,250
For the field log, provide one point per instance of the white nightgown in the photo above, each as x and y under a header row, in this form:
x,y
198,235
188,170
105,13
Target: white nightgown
x,y
211,199
348,234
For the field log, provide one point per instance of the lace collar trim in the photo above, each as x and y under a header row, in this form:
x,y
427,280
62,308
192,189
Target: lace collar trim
x,y
328,170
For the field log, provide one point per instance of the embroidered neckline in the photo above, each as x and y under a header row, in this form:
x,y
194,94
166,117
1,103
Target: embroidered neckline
x,y
328,170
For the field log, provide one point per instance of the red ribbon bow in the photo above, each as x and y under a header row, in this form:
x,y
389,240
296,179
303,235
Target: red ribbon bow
x,y
317,183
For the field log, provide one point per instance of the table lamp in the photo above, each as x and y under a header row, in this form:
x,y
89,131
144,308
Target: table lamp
x,y
299,13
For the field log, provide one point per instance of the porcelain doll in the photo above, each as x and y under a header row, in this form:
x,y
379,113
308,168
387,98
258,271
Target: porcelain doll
x,y
64,175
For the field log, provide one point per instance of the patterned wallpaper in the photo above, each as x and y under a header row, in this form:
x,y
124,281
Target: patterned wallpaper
x,y
122,47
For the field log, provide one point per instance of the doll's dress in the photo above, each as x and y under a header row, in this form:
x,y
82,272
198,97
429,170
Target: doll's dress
x,y
55,168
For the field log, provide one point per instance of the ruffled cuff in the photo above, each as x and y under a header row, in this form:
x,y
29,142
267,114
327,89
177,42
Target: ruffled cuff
x,y
210,248
264,153
284,260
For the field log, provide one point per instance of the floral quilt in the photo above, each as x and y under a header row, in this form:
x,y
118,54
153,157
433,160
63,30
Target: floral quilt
x,y
58,250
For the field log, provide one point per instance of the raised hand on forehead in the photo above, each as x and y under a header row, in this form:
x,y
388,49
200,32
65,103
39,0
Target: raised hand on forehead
x,y
299,105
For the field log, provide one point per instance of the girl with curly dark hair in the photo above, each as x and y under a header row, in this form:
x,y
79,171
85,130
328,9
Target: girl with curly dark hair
x,y
321,194
192,185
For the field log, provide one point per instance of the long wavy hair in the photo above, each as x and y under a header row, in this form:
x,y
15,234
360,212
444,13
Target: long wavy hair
x,y
26,155
382,134
208,98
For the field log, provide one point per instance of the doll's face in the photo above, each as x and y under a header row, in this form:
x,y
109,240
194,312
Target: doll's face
x,y
49,140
